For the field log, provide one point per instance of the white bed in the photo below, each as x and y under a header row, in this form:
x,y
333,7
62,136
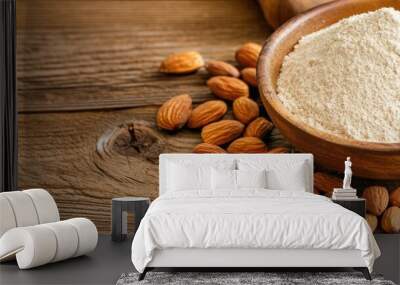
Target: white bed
x,y
249,226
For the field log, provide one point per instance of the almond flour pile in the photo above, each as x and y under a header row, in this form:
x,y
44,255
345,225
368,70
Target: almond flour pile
x,y
345,79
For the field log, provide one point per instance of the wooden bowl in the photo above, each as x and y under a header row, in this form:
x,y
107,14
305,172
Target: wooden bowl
x,y
370,160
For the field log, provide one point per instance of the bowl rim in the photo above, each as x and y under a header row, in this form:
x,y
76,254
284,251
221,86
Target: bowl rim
x,y
268,93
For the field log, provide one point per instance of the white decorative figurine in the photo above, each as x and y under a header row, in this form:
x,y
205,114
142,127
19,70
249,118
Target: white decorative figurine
x,y
347,174
347,192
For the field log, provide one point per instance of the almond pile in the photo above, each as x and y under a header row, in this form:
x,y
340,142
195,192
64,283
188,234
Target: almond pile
x,y
383,209
231,86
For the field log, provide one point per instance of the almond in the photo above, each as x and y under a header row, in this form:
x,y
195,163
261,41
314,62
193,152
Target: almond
x,y
245,110
259,128
247,55
390,222
208,148
175,112
222,132
182,62
249,76
372,221
228,88
247,145
217,67
206,113
279,149
395,197
377,199
325,183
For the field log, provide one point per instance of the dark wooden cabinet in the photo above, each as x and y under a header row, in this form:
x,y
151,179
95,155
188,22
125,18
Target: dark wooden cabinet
x,y
120,208
355,205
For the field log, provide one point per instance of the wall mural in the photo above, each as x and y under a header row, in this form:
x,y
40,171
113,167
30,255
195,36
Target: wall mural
x,y
90,90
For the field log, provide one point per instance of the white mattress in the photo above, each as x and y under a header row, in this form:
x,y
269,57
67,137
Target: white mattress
x,y
252,219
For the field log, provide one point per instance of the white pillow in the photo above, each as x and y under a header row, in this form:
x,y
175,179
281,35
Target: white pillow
x,y
223,179
226,179
293,178
251,178
281,174
204,162
182,177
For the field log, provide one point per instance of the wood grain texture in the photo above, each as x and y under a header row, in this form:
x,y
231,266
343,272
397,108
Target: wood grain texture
x,y
89,89
370,160
86,158
91,55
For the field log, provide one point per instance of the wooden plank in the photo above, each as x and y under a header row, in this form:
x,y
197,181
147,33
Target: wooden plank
x,y
85,55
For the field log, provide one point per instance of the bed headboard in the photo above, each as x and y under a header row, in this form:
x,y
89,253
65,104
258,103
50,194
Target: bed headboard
x,y
212,158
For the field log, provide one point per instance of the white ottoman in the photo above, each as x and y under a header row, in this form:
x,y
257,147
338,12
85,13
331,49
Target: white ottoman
x,y
31,232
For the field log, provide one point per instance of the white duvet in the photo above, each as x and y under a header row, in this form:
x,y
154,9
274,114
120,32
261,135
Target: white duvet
x,y
255,218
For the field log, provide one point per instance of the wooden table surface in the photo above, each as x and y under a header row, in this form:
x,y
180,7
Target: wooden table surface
x,y
89,88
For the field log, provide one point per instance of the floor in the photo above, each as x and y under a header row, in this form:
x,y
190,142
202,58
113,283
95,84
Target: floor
x,y
103,266
110,259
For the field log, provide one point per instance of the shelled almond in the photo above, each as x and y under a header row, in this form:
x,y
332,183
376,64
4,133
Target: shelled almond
x,y
279,150
208,148
175,112
247,145
217,67
182,62
222,132
228,88
206,113
249,76
247,55
395,197
259,128
372,221
377,199
391,220
245,109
